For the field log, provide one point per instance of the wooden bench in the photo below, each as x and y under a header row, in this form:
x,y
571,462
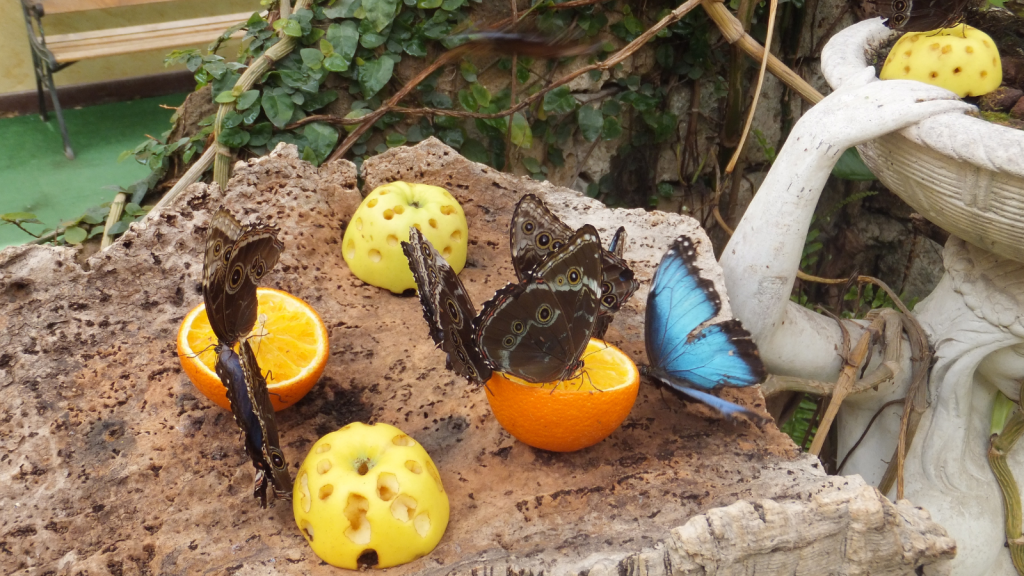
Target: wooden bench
x,y
56,52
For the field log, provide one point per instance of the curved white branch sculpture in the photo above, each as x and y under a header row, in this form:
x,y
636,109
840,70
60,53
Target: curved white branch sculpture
x,y
974,320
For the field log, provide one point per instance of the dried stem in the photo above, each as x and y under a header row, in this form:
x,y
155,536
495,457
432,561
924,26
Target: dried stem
x,y
222,160
116,207
999,445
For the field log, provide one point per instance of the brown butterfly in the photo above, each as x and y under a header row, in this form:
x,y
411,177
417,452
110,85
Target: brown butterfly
x,y
918,15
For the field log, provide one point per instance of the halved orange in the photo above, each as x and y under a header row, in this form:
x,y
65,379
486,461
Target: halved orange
x,y
290,341
568,415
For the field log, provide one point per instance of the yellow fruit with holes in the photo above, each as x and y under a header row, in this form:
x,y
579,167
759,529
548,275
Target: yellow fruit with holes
x,y
960,59
369,495
372,245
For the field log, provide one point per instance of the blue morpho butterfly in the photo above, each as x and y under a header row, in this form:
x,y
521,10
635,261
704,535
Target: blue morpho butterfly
x,y
237,258
536,232
535,329
687,350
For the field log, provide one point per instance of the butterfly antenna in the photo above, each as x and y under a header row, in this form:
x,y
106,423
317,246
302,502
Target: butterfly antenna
x,y
196,354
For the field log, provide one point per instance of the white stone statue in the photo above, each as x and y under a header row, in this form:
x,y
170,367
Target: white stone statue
x,y
974,320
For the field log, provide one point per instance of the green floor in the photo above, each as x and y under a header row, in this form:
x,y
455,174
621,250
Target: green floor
x,y
36,177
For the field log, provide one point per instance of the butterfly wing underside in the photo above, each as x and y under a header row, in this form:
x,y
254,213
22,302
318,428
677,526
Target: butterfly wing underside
x,y
918,15
259,398
237,258
684,350
447,308
538,329
535,232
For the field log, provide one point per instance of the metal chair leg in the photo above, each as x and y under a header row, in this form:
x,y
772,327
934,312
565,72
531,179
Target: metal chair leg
x,y
60,115
38,66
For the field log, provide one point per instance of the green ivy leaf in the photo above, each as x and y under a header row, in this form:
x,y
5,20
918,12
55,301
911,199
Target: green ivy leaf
x,y
468,71
20,218
851,167
380,13
247,99
74,235
322,138
591,122
531,164
521,134
234,137
225,83
395,139
216,69
343,9
452,137
278,106
133,209
612,129
415,47
250,114
467,100
308,155
290,26
428,4
475,151
344,37
260,134
319,100
437,100
225,97
451,5
418,133
312,57
356,113
231,119
374,75
481,94
559,101
326,47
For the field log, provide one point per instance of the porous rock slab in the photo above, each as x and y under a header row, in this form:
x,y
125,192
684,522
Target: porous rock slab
x,y
112,463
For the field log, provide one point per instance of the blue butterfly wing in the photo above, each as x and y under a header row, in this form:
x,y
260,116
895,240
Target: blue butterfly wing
x,y
728,409
683,354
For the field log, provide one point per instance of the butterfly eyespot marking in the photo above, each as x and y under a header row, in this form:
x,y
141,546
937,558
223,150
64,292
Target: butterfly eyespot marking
x,y
556,245
425,250
543,240
606,287
518,327
453,311
544,313
217,247
574,276
277,460
454,335
609,300
236,276
227,255
508,341
259,269
529,227
899,5
462,356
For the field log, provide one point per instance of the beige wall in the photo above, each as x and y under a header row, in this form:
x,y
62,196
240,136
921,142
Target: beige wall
x,y
16,68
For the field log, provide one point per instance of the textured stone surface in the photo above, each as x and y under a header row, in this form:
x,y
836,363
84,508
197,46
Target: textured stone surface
x,y
112,462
